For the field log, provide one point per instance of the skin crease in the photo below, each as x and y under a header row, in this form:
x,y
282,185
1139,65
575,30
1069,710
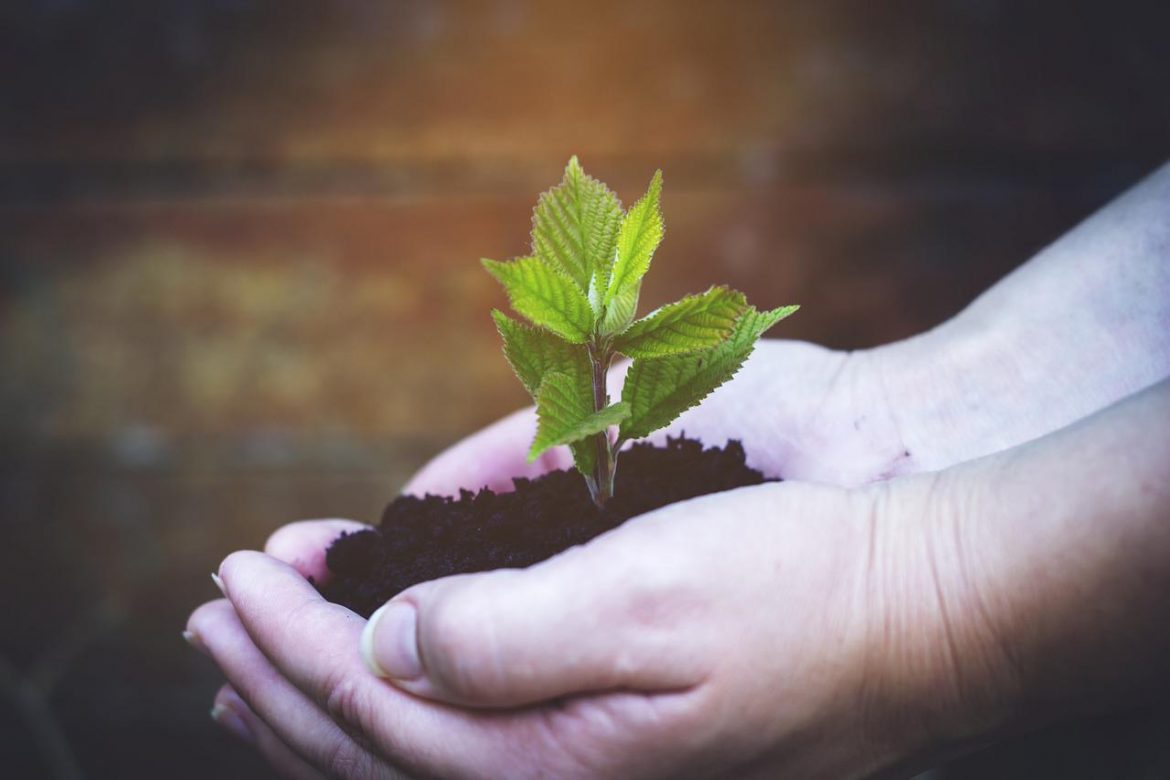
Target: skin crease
x,y
876,612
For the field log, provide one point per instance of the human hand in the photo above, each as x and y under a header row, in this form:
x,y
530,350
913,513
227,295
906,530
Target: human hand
x,y
1080,326
807,413
974,386
734,635
803,412
780,630
815,432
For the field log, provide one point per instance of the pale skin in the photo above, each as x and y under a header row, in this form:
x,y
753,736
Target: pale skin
x,y
973,538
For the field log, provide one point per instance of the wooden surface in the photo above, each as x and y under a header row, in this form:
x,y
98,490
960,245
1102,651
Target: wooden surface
x,y
239,244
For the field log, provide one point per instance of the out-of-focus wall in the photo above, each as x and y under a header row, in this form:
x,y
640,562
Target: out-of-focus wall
x,y
239,243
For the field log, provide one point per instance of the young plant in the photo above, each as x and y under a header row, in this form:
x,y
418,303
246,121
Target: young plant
x,y
579,290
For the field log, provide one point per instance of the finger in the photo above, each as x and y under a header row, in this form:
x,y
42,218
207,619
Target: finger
x,y
302,544
609,615
314,645
234,714
291,715
490,458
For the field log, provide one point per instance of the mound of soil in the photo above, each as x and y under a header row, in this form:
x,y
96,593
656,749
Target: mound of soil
x,y
426,538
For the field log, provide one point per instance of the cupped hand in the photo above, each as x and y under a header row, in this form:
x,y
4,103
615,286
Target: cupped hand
x,y
777,630
750,633
803,412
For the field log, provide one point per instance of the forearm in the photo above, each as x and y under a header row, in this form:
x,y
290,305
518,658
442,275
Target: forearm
x,y
1083,324
1075,558
1051,576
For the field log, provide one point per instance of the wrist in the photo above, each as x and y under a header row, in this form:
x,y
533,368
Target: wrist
x,y
1073,560
975,386
940,676
1024,588
1012,367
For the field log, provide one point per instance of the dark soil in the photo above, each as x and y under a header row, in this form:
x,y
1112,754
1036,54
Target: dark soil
x,y
426,538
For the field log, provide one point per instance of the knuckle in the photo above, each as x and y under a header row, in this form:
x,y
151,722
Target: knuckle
x,y
346,699
458,645
346,760
450,644
448,630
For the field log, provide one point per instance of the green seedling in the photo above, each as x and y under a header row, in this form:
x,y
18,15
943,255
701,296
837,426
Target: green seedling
x,y
579,290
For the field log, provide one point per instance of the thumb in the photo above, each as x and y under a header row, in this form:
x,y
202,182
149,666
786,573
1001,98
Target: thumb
x,y
599,617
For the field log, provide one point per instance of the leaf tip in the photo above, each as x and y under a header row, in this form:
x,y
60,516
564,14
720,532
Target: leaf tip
x,y
781,312
573,169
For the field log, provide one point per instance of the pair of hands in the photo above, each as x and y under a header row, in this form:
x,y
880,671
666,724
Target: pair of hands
x,y
881,603
751,633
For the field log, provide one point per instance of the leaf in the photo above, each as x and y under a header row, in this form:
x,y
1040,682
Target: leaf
x,y
575,227
640,234
620,311
535,352
565,415
584,456
696,322
659,390
545,297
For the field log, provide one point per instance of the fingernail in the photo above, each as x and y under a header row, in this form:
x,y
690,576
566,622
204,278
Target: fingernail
x,y
231,720
390,642
218,582
193,639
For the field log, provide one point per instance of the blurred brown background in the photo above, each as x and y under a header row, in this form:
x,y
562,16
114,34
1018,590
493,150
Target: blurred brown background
x,y
239,280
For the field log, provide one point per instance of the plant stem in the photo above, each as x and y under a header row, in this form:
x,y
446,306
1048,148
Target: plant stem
x,y
601,485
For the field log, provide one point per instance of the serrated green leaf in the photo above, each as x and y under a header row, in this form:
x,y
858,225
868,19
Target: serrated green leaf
x,y
575,227
535,352
659,390
641,233
693,323
620,311
545,297
566,415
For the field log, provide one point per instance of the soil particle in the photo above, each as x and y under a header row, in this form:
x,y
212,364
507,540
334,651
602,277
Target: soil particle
x,y
426,538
